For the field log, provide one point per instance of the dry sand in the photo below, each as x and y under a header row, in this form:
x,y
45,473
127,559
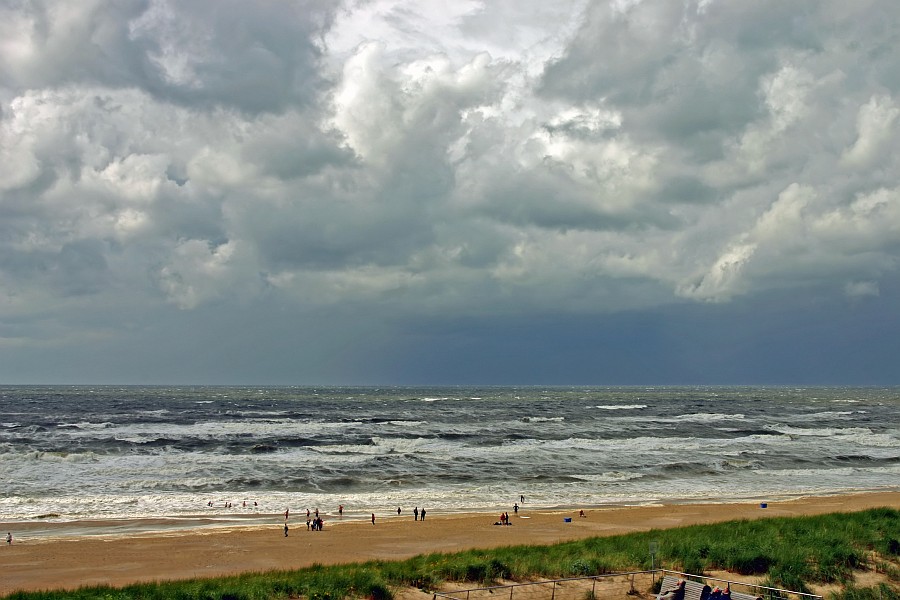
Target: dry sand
x,y
69,562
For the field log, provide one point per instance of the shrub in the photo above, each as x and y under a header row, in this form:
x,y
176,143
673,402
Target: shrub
x,y
787,576
750,562
582,567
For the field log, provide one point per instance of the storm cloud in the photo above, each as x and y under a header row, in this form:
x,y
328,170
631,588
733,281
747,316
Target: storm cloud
x,y
388,191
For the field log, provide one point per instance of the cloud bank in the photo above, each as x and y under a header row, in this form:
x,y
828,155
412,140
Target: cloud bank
x,y
308,191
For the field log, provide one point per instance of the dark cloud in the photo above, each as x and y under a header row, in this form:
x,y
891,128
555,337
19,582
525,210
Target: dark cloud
x,y
251,58
624,192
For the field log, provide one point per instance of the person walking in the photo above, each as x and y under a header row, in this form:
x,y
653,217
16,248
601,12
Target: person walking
x,y
373,518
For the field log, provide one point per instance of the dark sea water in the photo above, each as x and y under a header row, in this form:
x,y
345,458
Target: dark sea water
x,y
126,452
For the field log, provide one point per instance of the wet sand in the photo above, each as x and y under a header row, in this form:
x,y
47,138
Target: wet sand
x,y
70,556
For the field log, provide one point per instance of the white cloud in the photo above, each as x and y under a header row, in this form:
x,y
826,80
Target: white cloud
x,y
875,127
785,96
199,271
724,278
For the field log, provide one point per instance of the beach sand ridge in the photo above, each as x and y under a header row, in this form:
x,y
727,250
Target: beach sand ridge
x,y
67,561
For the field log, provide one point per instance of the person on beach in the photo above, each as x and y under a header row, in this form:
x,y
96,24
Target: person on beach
x,y
581,513
422,514
398,511
522,499
285,529
516,508
373,518
416,513
341,510
9,539
286,513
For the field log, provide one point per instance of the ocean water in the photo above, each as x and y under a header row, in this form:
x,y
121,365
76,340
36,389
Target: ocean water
x,y
75,453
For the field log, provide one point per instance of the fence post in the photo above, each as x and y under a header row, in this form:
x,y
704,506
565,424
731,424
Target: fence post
x,y
553,593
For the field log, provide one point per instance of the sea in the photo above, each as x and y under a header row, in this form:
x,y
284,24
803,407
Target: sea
x,y
239,455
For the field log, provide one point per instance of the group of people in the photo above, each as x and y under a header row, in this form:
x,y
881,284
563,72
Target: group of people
x,y
315,523
720,594
677,593
504,519
228,504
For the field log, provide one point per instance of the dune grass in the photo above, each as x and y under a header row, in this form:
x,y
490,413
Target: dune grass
x,y
790,552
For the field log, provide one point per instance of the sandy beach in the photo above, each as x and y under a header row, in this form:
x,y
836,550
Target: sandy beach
x,y
70,561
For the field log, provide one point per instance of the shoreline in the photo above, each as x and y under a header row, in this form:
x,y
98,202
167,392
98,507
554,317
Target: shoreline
x,y
140,550
37,529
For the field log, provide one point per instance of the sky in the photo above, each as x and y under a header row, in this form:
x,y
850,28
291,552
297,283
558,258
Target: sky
x,y
413,192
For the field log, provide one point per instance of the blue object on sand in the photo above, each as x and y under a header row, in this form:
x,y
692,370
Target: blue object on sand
x,y
763,505
567,519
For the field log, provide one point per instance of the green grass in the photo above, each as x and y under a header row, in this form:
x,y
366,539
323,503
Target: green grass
x,y
790,552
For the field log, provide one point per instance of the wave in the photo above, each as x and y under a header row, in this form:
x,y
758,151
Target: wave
x,y
550,478
828,414
612,476
704,417
866,459
90,428
819,431
733,464
860,435
61,457
161,451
